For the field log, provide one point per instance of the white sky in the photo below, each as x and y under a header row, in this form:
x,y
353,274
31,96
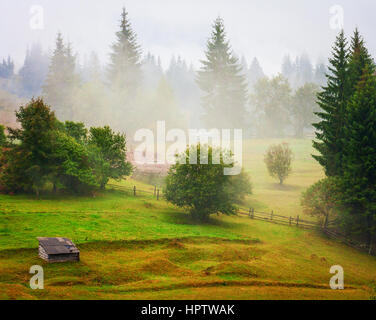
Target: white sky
x,y
267,29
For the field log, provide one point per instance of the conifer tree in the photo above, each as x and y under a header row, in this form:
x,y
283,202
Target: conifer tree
x,y
124,71
255,72
7,68
288,68
61,80
223,84
34,71
359,159
320,74
332,101
359,60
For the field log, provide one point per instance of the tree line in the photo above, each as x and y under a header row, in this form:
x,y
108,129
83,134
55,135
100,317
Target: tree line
x,y
346,142
47,154
133,91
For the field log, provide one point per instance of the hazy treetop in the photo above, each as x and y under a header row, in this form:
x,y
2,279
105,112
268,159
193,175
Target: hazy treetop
x,y
265,29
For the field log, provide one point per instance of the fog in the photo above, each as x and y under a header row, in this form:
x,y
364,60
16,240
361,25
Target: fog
x,y
265,29
275,61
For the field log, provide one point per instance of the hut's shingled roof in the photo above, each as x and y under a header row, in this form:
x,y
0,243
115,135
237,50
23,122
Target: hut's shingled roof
x,y
58,245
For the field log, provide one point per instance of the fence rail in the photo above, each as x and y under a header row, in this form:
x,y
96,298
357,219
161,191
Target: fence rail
x,y
279,219
136,191
269,217
305,224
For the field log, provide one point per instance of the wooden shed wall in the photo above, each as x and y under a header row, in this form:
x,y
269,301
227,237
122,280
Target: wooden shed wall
x,y
58,257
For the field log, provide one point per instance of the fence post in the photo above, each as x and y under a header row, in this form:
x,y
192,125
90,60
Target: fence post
x,y
250,212
370,247
134,190
158,194
297,220
253,213
155,191
271,215
290,220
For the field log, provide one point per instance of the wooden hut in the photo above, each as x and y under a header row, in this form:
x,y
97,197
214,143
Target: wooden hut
x,y
58,250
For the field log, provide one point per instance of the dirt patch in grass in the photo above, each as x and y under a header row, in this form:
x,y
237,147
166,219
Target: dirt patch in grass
x,y
235,269
176,244
162,266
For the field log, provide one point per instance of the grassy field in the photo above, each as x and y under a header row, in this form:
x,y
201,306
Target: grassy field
x,y
268,194
141,248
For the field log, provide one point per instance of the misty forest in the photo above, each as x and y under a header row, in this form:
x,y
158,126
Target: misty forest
x,y
305,198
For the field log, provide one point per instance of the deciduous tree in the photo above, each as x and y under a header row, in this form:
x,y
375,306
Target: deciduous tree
x,y
203,188
278,160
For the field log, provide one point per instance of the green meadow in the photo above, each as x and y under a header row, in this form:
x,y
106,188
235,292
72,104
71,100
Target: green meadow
x,y
141,248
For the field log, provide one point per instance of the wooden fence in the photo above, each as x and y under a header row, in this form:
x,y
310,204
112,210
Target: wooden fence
x,y
278,219
305,224
157,193
293,221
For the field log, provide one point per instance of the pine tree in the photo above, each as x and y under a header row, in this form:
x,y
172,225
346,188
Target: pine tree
x,y
124,71
34,71
359,158
287,68
7,68
320,74
244,65
152,71
304,70
359,59
93,69
222,82
332,101
255,72
61,80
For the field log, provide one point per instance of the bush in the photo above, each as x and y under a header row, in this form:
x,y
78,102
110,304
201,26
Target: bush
x,y
203,188
3,138
278,160
322,200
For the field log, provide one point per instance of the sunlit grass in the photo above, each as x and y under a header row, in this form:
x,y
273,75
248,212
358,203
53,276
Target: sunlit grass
x,y
267,193
141,248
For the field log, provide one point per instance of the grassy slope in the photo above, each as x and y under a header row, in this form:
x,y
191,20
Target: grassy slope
x,y
143,248
268,194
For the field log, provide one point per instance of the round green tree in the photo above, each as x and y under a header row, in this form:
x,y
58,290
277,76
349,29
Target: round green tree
x,y
198,182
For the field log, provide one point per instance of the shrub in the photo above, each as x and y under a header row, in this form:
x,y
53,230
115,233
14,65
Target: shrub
x,y
3,138
321,200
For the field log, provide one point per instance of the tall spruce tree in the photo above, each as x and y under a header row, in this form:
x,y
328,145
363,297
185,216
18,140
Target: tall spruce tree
x,y
61,80
223,84
332,101
359,159
359,60
124,71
